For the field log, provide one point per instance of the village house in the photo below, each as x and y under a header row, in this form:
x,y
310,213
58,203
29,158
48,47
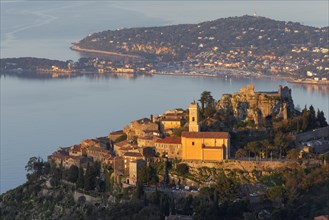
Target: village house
x,y
98,154
113,136
128,157
62,158
168,124
170,147
148,141
124,146
141,128
76,150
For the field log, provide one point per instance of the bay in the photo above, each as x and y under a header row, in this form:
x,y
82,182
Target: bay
x,y
37,116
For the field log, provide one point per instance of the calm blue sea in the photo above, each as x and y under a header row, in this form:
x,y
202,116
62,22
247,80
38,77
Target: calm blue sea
x,y
37,116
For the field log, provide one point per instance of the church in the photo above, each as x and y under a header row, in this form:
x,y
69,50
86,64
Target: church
x,y
203,146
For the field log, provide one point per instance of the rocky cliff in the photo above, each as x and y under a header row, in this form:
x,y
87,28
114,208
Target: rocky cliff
x,y
254,106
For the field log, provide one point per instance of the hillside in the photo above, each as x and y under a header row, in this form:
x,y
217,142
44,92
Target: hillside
x,y
241,42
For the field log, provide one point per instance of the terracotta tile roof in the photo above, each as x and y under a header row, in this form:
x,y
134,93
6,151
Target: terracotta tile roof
x,y
76,148
98,149
170,140
122,143
89,141
117,132
205,134
132,154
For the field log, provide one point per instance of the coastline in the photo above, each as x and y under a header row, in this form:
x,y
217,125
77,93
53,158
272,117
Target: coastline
x,y
288,79
80,49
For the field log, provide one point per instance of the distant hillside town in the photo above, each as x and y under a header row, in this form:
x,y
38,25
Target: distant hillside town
x,y
246,46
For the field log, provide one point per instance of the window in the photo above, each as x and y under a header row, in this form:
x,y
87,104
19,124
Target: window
x,y
193,119
193,143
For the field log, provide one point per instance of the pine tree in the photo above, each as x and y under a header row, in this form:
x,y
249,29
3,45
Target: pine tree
x,y
312,118
80,181
90,178
321,120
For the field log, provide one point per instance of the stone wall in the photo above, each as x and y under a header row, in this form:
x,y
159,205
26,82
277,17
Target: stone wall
x,y
250,166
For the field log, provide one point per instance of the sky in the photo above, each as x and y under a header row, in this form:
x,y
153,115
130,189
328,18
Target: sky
x,y
314,13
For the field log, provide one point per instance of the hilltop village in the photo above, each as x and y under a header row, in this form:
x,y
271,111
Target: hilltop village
x,y
148,139
249,155
176,136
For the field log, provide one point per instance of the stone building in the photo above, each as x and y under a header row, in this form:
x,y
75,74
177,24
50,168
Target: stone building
x,y
129,157
134,167
204,146
148,141
168,123
171,147
113,136
98,154
141,128
76,150
194,117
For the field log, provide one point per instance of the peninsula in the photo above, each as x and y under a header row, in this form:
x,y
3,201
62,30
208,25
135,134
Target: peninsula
x,y
247,43
246,46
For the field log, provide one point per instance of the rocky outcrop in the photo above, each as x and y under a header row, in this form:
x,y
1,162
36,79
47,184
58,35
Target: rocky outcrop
x,y
256,106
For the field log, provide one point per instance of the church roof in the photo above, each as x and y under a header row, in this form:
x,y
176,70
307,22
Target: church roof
x,y
170,140
224,135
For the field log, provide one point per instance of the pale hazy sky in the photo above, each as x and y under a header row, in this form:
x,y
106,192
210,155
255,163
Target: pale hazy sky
x,y
314,13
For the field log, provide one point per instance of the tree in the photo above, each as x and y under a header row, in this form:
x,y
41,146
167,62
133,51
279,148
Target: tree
x,y
139,190
81,179
321,120
280,142
226,187
35,168
207,104
276,193
241,153
305,119
182,169
148,174
292,154
73,174
312,118
90,178
254,147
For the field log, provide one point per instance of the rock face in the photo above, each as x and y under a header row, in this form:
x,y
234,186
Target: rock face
x,y
256,106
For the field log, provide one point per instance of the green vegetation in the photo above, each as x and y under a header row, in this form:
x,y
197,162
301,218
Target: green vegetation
x,y
221,39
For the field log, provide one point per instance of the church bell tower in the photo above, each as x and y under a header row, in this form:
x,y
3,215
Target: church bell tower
x,y
193,117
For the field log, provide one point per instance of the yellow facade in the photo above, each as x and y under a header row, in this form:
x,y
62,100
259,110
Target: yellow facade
x,y
205,146
194,117
170,124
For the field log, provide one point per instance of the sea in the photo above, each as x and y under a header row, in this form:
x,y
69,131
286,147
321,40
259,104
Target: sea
x,y
40,115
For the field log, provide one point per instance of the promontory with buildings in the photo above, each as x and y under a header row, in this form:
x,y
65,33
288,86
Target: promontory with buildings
x,y
229,47
248,155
